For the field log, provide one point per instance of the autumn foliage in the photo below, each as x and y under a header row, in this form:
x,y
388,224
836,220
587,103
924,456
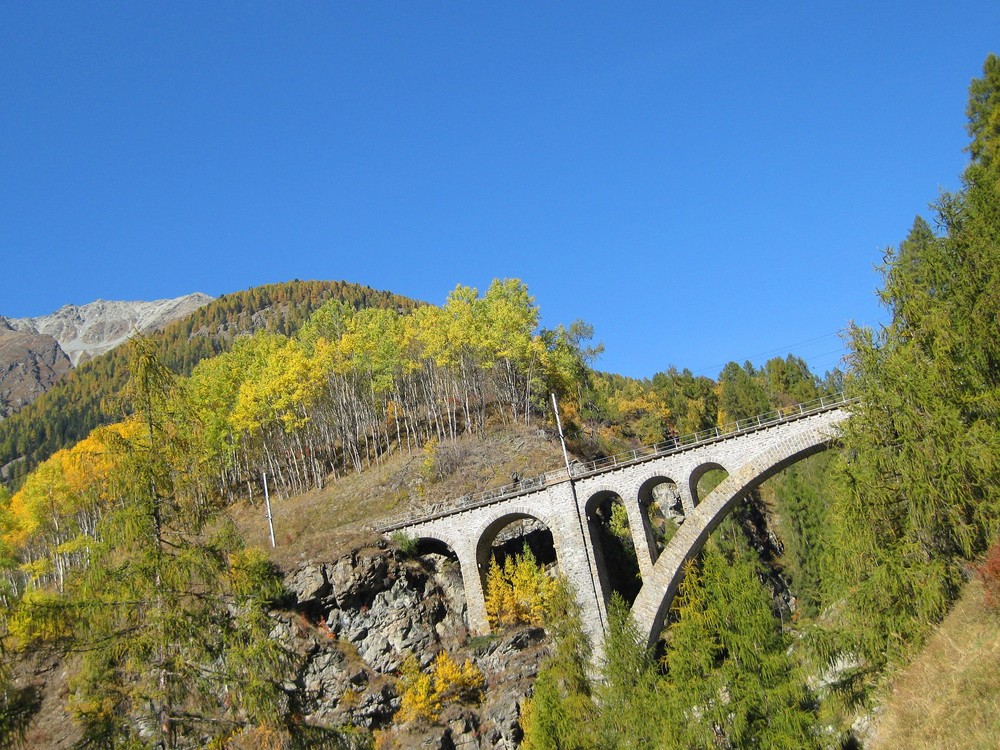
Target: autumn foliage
x,y
424,694
518,592
989,572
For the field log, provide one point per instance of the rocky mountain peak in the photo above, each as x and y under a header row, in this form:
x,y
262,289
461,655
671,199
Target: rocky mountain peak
x,y
35,352
84,331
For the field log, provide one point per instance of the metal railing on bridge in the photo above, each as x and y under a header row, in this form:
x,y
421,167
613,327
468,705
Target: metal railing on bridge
x,y
581,469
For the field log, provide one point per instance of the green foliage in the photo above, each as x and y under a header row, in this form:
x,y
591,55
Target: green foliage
x,y
692,401
730,679
922,446
726,680
631,694
562,712
169,611
804,497
406,544
741,393
983,112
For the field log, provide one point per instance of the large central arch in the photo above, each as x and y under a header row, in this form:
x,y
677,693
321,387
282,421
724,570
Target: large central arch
x,y
653,602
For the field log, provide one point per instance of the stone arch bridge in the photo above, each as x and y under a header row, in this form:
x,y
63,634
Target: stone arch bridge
x,y
565,501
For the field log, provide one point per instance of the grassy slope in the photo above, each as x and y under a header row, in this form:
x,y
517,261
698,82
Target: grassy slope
x,y
321,523
949,697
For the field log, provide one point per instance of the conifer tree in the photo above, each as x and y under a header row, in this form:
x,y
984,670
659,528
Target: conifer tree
x,y
561,713
169,611
730,679
922,445
631,695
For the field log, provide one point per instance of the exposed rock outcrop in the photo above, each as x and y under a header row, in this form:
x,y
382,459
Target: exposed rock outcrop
x,y
355,619
29,364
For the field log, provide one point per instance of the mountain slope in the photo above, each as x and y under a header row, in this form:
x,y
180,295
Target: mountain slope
x,y
30,363
36,352
85,331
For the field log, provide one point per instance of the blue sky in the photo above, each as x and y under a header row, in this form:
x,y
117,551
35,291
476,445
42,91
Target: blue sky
x,y
702,184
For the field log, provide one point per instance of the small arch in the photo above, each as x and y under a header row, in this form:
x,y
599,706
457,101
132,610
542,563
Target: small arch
x,y
438,556
705,478
662,511
525,529
614,547
429,545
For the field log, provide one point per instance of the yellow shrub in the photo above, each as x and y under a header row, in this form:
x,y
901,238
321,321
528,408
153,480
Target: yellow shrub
x,y
417,699
517,593
456,683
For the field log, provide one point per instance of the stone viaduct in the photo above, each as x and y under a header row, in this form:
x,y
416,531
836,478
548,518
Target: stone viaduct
x,y
565,502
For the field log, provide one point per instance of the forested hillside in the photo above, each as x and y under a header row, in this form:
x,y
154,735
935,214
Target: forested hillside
x,y
86,397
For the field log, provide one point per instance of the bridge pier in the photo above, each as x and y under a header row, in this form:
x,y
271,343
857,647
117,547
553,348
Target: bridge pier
x,y
688,495
642,535
579,563
472,580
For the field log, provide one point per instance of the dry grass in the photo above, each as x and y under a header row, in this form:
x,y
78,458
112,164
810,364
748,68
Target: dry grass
x,y
324,523
949,697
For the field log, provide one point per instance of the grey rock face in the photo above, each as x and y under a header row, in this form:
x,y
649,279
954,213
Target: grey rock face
x,y
363,614
84,331
29,364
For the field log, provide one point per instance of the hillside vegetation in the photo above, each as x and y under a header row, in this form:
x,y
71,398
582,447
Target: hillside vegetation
x,y
950,695
87,397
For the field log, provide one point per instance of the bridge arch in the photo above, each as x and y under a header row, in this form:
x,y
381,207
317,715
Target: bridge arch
x,y
430,544
487,534
653,602
616,556
697,474
647,500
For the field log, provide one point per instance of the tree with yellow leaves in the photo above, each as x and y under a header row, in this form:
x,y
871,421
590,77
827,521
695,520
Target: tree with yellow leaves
x,y
517,592
424,694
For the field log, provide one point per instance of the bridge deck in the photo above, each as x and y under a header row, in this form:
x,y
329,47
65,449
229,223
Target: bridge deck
x,y
579,470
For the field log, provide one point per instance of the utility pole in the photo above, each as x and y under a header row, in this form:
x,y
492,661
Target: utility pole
x,y
267,504
579,517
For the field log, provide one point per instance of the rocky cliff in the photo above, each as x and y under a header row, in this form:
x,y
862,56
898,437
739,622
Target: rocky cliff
x,y
29,364
355,619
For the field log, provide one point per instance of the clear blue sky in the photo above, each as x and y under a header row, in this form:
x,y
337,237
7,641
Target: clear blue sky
x,y
700,183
